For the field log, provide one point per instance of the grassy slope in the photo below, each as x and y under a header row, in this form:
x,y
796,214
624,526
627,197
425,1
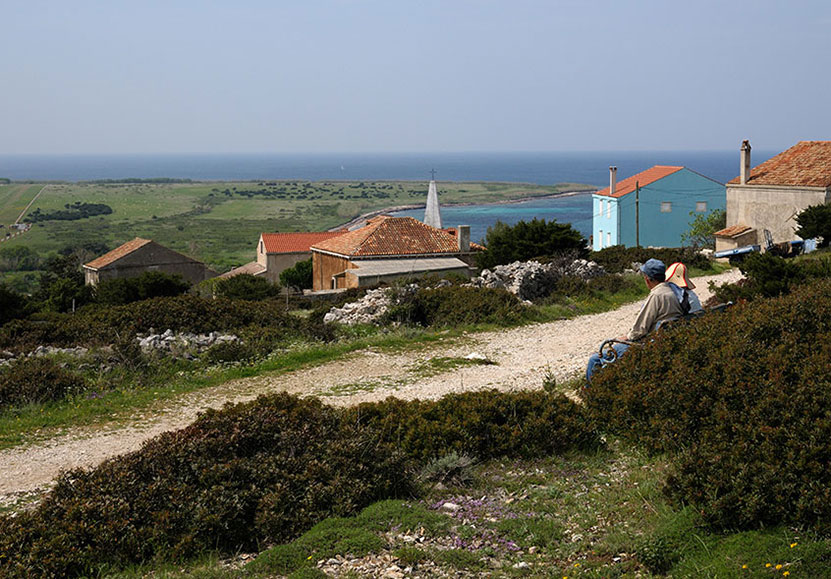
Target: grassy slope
x,y
202,221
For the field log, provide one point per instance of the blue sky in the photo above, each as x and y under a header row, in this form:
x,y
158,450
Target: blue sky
x,y
403,75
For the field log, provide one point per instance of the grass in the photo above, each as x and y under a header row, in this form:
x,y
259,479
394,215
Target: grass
x,y
221,229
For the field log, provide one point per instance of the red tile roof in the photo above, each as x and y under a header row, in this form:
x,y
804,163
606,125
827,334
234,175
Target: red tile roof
x,y
117,253
642,179
295,242
386,235
806,164
733,230
251,268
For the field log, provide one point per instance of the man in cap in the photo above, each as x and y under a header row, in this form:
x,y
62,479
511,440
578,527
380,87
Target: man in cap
x,y
661,306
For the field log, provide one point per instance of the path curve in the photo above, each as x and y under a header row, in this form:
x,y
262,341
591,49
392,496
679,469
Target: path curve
x,y
523,357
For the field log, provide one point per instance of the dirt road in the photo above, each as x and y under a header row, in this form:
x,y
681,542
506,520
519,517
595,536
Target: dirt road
x,y
522,358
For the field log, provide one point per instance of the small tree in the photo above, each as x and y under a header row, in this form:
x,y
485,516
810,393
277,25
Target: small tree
x,y
815,221
12,304
703,227
298,276
150,284
527,240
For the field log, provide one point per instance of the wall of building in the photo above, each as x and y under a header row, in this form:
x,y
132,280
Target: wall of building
x,y
276,263
682,190
771,208
324,267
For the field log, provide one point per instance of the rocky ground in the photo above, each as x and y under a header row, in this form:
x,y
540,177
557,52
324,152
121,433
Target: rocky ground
x,y
522,358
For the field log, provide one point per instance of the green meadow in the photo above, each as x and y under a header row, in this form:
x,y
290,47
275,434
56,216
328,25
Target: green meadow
x,y
219,222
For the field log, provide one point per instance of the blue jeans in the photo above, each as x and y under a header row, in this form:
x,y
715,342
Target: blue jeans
x,y
596,362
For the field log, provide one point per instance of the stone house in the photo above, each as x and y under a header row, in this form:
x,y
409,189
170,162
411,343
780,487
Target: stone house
x,y
652,208
277,252
142,255
388,248
771,195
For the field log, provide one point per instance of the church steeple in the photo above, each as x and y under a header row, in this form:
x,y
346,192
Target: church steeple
x,y
432,215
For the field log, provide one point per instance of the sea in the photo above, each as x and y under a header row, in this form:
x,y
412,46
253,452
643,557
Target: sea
x,y
543,168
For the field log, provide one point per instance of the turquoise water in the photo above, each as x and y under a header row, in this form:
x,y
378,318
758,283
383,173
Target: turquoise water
x,y
573,209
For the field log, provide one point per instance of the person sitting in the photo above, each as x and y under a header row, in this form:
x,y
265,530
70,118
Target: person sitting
x,y
661,306
682,286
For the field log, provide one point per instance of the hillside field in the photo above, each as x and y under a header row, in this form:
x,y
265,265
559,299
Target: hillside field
x,y
219,222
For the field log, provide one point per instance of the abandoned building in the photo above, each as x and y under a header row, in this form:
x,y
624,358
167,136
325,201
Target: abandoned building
x,y
142,255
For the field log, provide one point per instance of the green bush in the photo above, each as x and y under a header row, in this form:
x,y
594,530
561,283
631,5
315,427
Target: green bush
x,y
482,424
267,471
229,352
264,471
741,401
12,304
150,284
298,276
527,240
617,258
767,275
456,305
246,287
36,380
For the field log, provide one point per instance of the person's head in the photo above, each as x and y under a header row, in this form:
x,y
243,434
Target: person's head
x,y
653,272
677,274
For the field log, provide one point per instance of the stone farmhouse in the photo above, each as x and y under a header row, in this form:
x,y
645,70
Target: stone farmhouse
x,y
142,255
277,252
771,195
389,248
652,208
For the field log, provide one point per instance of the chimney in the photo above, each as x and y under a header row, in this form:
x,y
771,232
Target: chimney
x,y
612,180
463,238
744,168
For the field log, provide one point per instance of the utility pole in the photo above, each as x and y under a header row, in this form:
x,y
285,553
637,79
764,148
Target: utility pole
x,y
637,214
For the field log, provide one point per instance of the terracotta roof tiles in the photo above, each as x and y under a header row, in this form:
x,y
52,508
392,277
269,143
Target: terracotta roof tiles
x,y
806,164
386,235
733,230
642,179
117,253
295,242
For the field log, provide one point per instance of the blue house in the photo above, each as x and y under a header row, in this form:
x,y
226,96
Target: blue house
x,y
652,208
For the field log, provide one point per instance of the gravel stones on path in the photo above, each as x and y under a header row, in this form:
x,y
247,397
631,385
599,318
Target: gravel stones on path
x,y
523,358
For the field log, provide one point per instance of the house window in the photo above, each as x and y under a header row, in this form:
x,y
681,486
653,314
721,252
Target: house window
x,y
261,247
600,239
608,239
666,207
700,206
602,207
608,209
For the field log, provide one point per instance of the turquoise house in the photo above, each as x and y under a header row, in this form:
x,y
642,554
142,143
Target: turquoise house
x,y
652,208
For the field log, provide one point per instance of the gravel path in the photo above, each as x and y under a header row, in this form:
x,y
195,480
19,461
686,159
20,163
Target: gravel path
x,y
522,357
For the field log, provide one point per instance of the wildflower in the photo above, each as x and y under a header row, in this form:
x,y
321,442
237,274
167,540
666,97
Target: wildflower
x,y
778,567
577,564
794,545
767,565
744,566
786,573
309,558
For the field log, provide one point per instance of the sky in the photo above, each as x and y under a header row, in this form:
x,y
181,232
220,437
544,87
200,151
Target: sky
x,y
244,76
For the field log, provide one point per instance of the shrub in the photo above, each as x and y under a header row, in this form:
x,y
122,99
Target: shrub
x,y
741,401
264,471
456,305
12,304
527,240
815,221
617,258
246,287
36,380
480,424
229,352
150,284
267,471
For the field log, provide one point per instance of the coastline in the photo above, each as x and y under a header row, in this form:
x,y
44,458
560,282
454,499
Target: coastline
x,y
361,220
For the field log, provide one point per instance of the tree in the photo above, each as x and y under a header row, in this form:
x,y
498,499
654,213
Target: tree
x,y
12,304
246,287
299,276
703,227
527,240
815,221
